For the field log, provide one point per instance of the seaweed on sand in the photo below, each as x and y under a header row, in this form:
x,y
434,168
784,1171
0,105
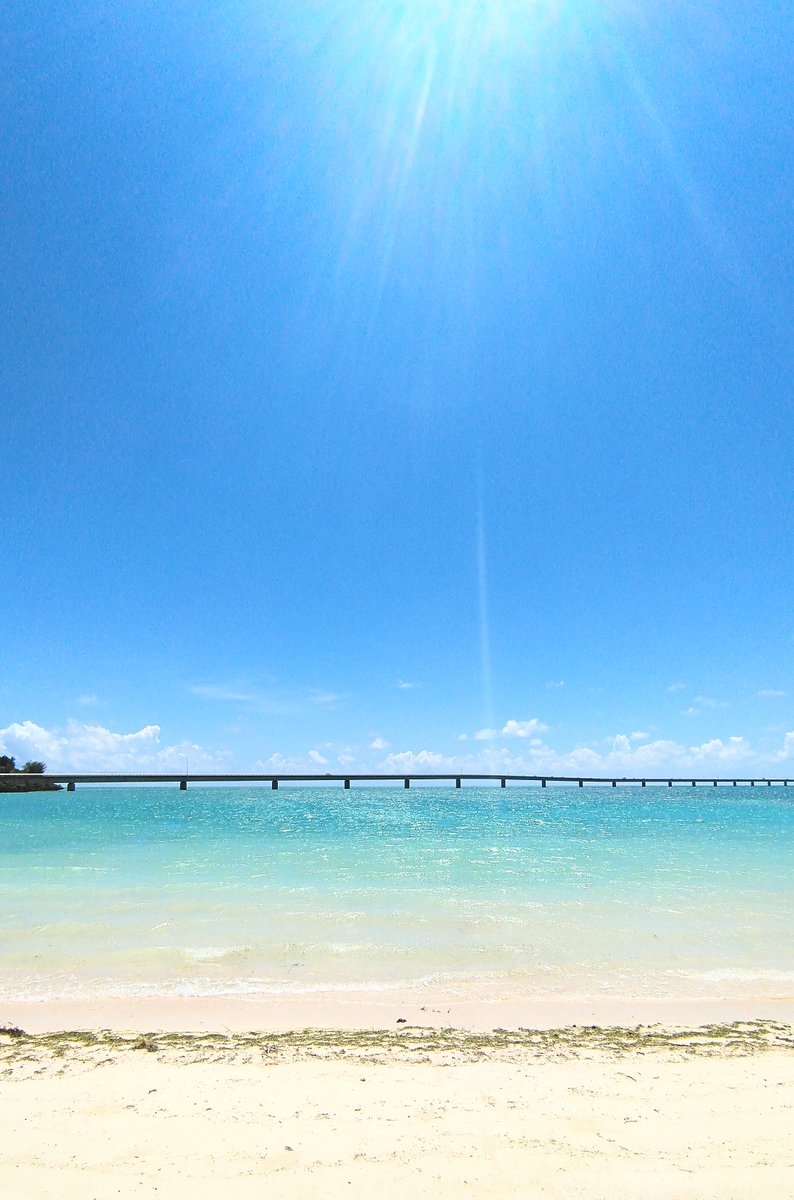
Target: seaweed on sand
x,y
738,1038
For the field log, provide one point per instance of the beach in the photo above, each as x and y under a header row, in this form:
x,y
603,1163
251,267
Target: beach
x,y
590,1114
314,993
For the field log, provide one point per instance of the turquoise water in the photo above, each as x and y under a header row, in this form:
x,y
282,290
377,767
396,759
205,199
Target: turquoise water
x,y
243,890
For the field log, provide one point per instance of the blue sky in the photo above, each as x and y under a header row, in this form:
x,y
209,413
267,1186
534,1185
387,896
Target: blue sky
x,y
398,384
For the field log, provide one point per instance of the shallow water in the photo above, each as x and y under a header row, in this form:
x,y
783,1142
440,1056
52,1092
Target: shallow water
x,y
122,890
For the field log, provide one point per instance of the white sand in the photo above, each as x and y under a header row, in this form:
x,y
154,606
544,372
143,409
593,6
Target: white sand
x,y
406,1120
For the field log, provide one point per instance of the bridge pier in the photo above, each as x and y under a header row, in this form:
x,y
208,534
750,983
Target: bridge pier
x,y
734,783
643,783
70,786
503,782
752,783
581,783
614,783
715,782
543,783
669,783
406,782
694,783
347,785
274,784
183,785
457,782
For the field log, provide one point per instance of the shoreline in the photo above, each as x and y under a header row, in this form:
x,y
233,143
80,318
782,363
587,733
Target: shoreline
x,y
366,1010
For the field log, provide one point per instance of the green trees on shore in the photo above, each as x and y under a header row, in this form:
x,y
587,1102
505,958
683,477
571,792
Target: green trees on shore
x,y
23,779
8,765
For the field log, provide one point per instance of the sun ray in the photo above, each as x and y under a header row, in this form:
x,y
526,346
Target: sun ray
x,y
482,597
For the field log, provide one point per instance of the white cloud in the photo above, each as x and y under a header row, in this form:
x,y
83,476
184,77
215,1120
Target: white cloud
x,y
235,693
734,750
519,729
523,729
269,701
84,747
378,743
701,704
410,761
560,683
663,755
620,756
677,687
278,762
89,700
301,764
787,750
405,686
93,747
770,693
325,699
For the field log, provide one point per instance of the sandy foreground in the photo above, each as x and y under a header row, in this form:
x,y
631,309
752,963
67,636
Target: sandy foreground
x,y
408,1111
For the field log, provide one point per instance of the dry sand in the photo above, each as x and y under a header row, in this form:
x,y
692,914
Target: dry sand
x,y
411,1112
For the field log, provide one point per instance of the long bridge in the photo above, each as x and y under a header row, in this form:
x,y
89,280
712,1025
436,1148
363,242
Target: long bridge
x,y
71,779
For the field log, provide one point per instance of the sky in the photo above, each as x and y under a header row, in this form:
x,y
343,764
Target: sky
x,y
395,385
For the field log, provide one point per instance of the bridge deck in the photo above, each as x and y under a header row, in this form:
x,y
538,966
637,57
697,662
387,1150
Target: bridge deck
x,y
72,778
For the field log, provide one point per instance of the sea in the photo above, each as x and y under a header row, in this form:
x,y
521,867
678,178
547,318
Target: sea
x,y
149,891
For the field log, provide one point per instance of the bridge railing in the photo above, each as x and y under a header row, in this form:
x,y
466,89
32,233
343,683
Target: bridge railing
x,y
181,779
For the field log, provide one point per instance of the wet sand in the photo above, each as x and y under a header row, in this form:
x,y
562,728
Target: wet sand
x,y
475,1007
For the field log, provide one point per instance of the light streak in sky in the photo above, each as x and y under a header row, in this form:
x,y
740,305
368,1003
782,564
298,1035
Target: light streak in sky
x,y
482,595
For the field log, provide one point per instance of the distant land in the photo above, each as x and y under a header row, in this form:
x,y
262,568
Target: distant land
x,y
25,778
